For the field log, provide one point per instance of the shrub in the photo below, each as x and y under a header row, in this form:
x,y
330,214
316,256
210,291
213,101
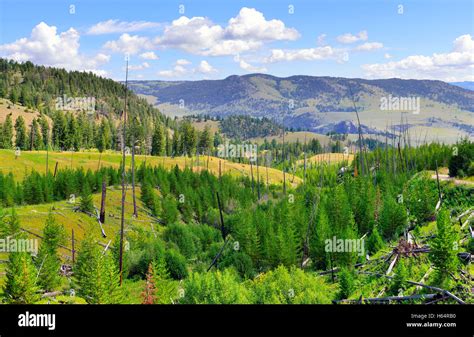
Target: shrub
x,y
176,264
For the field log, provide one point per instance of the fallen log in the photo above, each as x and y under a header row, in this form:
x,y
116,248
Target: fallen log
x,y
389,298
444,291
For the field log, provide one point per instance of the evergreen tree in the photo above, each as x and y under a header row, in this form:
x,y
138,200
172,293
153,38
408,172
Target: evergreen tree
x,y
166,290
20,278
96,274
6,141
375,241
443,252
169,209
48,260
318,235
43,122
346,283
20,131
157,145
205,140
59,130
399,281
188,140
393,217
86,204
35,141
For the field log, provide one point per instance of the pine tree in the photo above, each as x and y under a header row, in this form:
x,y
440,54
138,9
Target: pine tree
x,y
20,130
346,283
96,274
6,141
393,217
86,205
399,281
35,140
318,235
375,241
205,140
44,126
157,145
443,252
20,284
166,289
188,138
20,279
48,261
169,209
59,130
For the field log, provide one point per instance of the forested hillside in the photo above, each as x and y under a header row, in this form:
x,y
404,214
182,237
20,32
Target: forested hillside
x,y
174,219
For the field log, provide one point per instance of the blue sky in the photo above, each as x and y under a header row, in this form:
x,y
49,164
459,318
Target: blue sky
x,y
179,40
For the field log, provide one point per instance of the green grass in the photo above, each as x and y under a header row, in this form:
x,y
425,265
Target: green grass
x,y
29,160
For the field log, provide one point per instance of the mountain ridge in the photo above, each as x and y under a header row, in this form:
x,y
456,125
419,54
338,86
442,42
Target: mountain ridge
x,y
314,103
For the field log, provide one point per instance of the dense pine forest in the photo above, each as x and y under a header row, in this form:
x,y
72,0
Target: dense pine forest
x,y
393,224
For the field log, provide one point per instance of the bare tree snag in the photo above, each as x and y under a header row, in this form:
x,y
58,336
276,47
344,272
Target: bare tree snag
x,y
135,213
102,202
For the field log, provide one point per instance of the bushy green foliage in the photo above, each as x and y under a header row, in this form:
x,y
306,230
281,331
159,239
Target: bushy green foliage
x,y
182,237
462,158
215,288
48,261
96,274
375,241
346,283
176,264
86,205
444,247
20,284
393,217
421,196
291,286
169,209
399,284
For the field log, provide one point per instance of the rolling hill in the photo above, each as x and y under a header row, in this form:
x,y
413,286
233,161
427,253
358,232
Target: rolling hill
x,y
320,104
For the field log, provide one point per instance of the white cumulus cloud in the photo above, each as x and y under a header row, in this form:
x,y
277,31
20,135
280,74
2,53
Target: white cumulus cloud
x,y
369,46
116,26
247,66
149,55
247,31
141,66
308,54
205,68
127,43
48,47
456,65
350,38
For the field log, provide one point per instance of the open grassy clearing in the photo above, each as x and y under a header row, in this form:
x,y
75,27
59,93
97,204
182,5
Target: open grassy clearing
x,y
36,160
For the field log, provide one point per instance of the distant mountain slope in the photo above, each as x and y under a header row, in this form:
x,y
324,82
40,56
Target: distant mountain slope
x,y
466,85
40,88
320,104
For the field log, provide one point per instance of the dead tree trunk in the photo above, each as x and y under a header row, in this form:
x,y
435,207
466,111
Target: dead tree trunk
x,y
122,220
102,202
73,250
135,214
251,174
55,170
258,181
